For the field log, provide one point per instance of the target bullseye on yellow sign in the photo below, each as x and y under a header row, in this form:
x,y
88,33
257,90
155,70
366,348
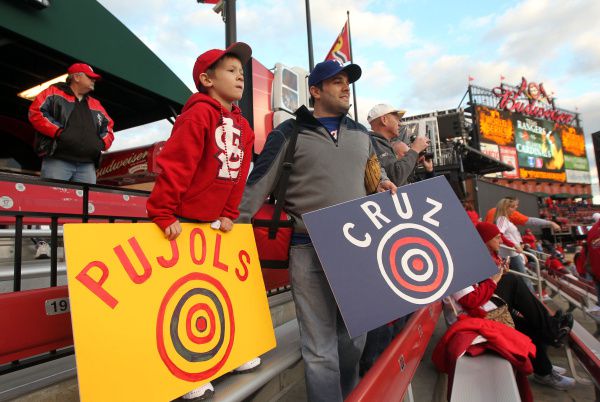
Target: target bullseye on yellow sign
x,y
152,318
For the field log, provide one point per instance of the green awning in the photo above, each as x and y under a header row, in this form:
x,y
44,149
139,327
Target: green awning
x,y
37,45
541,194
561,196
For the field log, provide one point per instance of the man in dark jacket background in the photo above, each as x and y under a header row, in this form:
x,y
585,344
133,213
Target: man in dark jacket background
x,y
73,128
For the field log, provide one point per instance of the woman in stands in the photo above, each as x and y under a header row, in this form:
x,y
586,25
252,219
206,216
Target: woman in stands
x,y
504,209
528,313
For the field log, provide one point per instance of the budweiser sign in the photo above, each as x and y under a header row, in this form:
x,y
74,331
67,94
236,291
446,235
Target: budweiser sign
x,y
124,164
128,166
530,99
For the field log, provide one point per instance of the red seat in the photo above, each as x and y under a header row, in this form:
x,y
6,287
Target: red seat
x,y
27,330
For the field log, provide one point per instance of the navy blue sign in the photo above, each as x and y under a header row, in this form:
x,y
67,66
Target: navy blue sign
x,y
388,255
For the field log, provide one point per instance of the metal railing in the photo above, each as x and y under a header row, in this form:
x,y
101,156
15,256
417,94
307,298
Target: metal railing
x,y
537,278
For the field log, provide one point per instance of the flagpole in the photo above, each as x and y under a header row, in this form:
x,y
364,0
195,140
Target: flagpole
x,y
352,60
311,62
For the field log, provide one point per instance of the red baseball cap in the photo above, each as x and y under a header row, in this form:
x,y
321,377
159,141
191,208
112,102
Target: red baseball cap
x,y
83,68
210,57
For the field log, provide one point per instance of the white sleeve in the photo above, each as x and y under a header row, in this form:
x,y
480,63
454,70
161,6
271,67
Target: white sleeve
x,y
461,293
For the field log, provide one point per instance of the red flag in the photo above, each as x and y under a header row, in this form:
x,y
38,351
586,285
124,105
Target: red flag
x,y
340,50
208,1
471,78
502,77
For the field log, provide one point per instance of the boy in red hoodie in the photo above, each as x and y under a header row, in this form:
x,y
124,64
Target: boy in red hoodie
x,y
206,160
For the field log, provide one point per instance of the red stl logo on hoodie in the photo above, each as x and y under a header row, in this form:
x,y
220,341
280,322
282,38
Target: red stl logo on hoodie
x,y
228,139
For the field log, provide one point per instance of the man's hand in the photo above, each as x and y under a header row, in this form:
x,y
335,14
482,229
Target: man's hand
x,y
385,186
226,224
173,230
555,226
420,144
427,164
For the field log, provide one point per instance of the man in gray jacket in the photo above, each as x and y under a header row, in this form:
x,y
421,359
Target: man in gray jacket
x,y
330,157
385,123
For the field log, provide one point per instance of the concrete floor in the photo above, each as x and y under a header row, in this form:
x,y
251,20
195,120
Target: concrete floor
x,y
427,385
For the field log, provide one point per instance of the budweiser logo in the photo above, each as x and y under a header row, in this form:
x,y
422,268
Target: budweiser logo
x,y
120,163
536,103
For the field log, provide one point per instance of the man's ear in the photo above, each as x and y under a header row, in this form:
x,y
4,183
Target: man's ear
x,y
315,92
205,80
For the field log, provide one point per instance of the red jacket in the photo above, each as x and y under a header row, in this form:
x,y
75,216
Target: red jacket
x,y
51,109
593,249
204,164
554,265
505,341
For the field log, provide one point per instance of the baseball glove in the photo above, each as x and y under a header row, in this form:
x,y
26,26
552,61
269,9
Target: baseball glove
x,y
372,174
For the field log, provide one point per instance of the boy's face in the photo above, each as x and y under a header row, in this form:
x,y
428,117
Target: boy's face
x,y
227,82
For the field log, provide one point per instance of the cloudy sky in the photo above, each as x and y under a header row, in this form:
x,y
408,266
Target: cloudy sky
x,y
417,55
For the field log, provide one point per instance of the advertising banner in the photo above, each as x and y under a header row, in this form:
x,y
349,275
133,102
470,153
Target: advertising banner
x,y
154,319
576,163
495,126
509,156
539,149
386,255
492,151
578,176
573,140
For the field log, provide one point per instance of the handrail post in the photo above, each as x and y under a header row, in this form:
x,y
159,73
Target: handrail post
x,y
538,273
18,252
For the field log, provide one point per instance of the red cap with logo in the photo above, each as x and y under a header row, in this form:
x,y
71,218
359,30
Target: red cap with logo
x,y
83,68
210,57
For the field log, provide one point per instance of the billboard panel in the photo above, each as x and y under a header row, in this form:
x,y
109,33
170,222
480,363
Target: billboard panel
x,y
539,148
509,156
495,126
572,140
492,151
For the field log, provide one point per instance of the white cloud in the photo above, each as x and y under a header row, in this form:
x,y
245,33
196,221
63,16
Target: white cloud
x,y
540,31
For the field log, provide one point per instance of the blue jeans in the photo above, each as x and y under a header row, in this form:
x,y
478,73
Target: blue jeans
x,y
80,172
330,356
517,264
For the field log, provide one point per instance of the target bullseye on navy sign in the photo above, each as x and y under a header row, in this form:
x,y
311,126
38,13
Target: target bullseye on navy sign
x,y
386,255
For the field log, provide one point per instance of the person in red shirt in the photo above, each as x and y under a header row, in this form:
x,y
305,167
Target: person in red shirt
x,y
554,264
528,313
206,160
592,260
529,239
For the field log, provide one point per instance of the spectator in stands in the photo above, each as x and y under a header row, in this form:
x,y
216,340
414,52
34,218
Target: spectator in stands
x,y
554,264
74,127
206,160
334,152
528,313
529,239
519,219
592,260
400,148
385,126
539,246
72,130
504,209
473,215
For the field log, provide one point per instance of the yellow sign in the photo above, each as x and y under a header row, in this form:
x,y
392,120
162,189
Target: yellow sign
x,y
154,319
573,141
495,128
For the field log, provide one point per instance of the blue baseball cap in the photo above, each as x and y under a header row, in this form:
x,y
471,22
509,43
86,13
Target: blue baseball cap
x,y
328,68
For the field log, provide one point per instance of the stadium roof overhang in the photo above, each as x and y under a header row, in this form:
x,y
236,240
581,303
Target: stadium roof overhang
x,y
37,45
